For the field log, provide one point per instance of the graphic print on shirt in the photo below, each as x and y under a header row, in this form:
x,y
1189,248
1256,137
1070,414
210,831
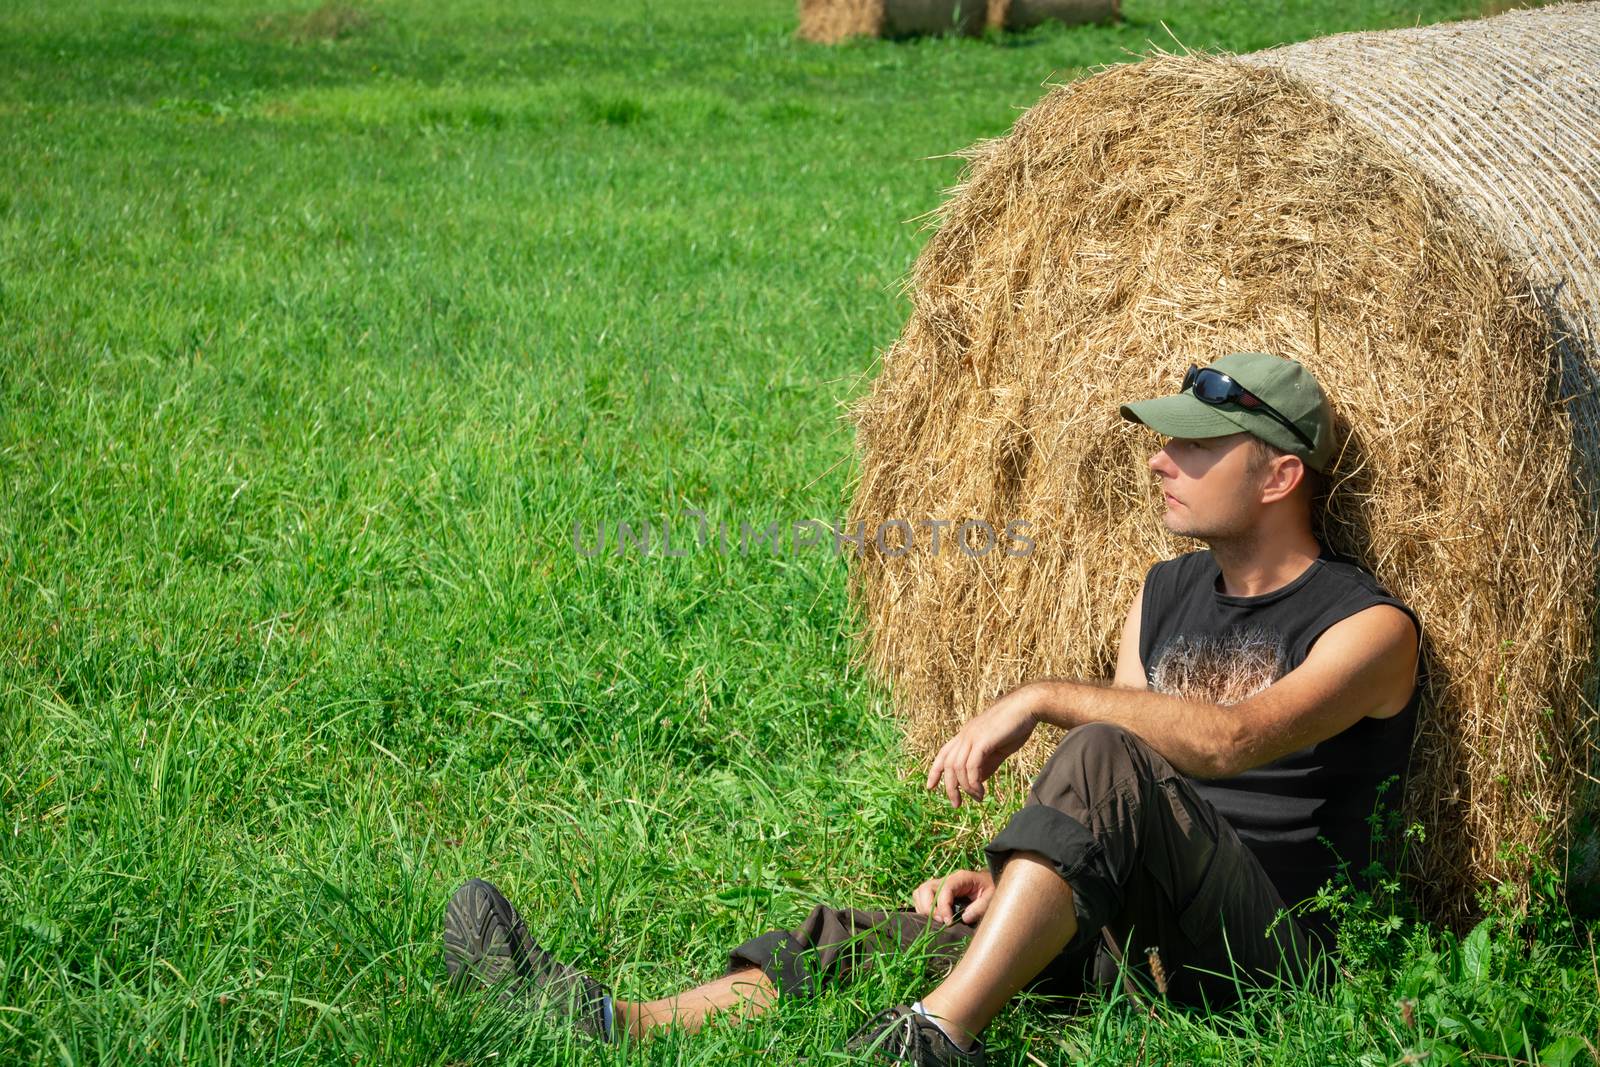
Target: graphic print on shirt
x,y
1219,669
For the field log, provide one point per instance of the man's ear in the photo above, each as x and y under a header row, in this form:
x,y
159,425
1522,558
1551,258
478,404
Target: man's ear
x,y
1282,476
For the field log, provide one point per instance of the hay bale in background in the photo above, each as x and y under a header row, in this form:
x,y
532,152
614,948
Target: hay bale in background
x,y
1348,202
832,21
1017,15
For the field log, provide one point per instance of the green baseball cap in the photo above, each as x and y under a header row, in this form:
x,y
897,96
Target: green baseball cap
x,y
1282,385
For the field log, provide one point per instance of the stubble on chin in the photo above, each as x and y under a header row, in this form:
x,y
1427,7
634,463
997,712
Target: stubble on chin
x,y
1176,524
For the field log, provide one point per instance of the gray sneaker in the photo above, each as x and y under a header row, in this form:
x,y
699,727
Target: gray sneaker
x,y
486,943
900,1035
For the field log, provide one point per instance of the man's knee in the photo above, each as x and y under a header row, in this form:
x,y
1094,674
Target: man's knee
x,y
1086,748
1097,740
1091,761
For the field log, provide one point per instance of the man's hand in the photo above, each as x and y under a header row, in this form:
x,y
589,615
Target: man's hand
x,y
968,759
938,896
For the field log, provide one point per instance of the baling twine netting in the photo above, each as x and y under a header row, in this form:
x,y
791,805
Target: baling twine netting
x,y
1413,215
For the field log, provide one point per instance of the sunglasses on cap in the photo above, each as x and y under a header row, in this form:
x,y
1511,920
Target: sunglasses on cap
x,y
1216,388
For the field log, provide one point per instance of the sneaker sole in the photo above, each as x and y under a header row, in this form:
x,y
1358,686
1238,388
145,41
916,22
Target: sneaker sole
x,y
484,938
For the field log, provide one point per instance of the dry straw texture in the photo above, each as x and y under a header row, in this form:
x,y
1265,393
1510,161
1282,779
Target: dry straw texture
x,y
1415,225
1026,14
832,21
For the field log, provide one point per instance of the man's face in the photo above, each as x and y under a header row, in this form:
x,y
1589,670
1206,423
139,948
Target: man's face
x,y
1211,486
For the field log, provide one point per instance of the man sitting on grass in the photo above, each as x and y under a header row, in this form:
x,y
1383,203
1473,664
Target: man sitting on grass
x,y
1265,690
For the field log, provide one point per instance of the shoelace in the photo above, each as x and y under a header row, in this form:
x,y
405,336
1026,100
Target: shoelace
x,y
901,1037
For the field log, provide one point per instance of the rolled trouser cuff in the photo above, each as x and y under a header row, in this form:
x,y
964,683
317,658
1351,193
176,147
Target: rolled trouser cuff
x,y
795,969
834,942
775,954
1076,856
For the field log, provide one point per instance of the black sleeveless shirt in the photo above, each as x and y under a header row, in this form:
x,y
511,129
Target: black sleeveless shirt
x,y
1197,642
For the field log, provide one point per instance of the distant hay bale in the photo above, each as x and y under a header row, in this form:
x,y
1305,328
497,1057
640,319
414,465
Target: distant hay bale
x,y
1413,215
333,21
1026,14
832,21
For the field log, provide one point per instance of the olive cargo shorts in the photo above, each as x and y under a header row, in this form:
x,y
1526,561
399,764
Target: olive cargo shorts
x,y
1152,866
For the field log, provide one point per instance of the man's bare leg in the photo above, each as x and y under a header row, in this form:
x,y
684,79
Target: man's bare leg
x,y
747,993
1028,923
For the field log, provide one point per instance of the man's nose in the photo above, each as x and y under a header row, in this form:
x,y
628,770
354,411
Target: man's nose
x,y
1160,462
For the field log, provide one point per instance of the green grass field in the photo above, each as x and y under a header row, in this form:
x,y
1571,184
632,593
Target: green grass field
x,y
316,339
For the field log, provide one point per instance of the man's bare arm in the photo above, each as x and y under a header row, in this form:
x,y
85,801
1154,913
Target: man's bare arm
x,y
1362,666
1130,668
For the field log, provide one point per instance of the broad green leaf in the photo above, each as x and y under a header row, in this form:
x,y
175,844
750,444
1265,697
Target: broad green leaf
x,y
1562,1051
744,892
1475,952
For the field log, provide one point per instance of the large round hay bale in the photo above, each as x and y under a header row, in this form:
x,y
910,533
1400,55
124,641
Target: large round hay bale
x,y
1017,15
832,21
1411,214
